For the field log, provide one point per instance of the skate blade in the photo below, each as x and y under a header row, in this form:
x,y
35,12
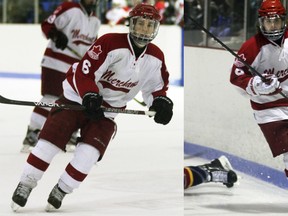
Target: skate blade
x,y
225,163
50,208
14,206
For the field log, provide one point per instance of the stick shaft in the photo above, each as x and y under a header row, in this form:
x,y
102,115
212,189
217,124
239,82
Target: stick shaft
x,y
255,72
75,52
73,107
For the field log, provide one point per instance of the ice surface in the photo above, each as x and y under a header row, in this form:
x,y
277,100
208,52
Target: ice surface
x,y
249,196
140,174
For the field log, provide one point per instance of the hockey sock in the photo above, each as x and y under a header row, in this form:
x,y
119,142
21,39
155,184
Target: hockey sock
x,y
196,177
85,157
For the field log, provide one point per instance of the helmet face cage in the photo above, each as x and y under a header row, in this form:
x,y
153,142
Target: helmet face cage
x,y
272,27
272,19
144,23
143,30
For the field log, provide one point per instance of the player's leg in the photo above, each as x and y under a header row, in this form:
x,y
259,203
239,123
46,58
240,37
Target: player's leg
x,y
95,137
35,166
37,120
85,156
218,170
51,90
54,135
275,134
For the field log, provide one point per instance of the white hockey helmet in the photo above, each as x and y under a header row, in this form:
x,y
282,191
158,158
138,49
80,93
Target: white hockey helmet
x,y
144,21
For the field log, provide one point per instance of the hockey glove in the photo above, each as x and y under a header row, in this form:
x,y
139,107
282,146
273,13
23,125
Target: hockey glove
x,y
163,106
59,38
256,86
92,103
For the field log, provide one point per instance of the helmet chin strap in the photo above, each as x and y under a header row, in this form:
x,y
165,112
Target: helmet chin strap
x,y
140,45
137,43
138,48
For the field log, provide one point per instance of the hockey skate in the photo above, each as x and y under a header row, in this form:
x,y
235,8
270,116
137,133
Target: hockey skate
x,y
30,140
55,199
20,196
220,170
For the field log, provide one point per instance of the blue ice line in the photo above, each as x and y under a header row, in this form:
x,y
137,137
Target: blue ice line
x,y
251,168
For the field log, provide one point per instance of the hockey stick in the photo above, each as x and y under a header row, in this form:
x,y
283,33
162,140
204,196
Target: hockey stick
x,y
230,51
139,102
73,51
73,107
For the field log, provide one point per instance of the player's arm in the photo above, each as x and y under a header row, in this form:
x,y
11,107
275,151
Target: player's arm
x,y
161,104
242,77
53,25
85,75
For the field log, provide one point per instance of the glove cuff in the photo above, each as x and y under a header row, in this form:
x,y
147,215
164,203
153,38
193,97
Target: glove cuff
x,y
250,88
164,98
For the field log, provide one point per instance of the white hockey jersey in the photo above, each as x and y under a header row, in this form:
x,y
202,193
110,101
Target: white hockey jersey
x,y
266,58
111,69
81,30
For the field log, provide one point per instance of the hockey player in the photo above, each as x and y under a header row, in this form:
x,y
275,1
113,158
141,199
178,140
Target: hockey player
x,y
72,28
111,73
267,53
218,170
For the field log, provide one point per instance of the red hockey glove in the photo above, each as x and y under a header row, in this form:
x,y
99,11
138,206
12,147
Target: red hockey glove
x,y
258,87
92,102
163,106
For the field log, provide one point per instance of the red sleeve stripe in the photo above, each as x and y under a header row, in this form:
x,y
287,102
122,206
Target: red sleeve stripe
x,y
59,56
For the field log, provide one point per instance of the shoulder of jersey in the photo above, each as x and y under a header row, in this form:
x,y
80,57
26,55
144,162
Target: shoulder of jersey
x,y
255,43
116,40
154,50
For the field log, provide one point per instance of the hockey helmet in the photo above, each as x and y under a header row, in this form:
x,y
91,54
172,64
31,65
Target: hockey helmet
x,y
89,5
144,21
272,19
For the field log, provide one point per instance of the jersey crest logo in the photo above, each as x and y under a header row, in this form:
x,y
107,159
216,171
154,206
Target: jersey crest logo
x,y
95,52
238,63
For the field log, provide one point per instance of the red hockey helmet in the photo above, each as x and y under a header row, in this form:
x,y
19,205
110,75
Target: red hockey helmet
x,y
144,23
271,7
272,19
145,10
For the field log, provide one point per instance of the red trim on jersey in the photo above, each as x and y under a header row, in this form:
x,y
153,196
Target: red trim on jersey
x,y
109,86
279,103
108,42
165,77
248,52
37,162
153,50
69,77
74,173
46,26
59,56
